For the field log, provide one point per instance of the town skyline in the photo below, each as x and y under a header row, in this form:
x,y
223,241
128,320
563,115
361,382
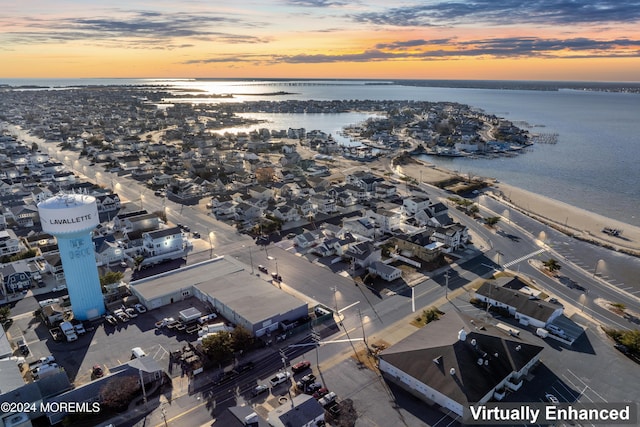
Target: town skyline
x,y
482,40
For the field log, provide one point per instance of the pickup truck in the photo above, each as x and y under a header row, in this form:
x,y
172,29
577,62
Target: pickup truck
x,y
280,378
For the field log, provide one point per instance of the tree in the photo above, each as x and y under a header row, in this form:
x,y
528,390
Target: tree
x,y
5,313
241,339
218,347
552,265
118,392
492,220
111,277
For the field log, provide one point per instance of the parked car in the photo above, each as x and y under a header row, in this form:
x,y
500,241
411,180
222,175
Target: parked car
x,y
59,288
196,235
244,367
301,366
307,379
263,269
47,359
312,388
259,389
80,330
280,378
140,308
164,322
131,312
22,347
121,315
551,398
111,320
320,393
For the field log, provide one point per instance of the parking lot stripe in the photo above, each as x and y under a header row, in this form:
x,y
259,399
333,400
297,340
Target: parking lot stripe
x,y
587,386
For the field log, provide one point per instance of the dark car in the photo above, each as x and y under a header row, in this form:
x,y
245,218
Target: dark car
x,y
312,388
244,367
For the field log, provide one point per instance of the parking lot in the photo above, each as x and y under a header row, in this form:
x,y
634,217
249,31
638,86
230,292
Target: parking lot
x,y
104,344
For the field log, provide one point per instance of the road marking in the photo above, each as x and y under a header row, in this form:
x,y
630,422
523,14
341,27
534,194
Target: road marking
x,y
522,258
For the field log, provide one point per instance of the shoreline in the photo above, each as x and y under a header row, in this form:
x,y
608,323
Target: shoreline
x,y
578,222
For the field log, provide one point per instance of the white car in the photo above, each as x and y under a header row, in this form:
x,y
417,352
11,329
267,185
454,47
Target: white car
x,y
280,378
131,312
59,288
80,330
140,308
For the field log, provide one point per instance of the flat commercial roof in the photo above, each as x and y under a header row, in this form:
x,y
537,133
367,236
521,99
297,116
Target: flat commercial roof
x,y
228,281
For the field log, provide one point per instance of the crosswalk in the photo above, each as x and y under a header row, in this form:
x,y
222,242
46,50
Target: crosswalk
x,y
522,258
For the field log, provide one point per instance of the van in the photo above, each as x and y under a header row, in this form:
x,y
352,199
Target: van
x,y
137,353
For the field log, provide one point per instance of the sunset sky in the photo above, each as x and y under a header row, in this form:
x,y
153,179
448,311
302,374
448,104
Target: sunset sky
x,y
591,40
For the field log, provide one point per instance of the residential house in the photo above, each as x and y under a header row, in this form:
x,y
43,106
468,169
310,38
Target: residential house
x,y
362,226
304,411
387,216
307,239
453,364
436,215
108,251
260,192
286,213
454,237
324,204
53,265
16,276
108,203
412,205
527,309
25,215
162,242
9,242
247,212
386,272
385,191
418,246
363,254
40,194
304,206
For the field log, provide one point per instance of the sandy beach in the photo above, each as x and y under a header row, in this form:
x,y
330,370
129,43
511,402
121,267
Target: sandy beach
x,y
570,219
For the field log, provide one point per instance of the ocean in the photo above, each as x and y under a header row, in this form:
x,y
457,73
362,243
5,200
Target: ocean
x,y
595,163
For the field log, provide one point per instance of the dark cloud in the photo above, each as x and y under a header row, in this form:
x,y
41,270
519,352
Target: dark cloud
x,y
131,29
412,43
510,47
507,12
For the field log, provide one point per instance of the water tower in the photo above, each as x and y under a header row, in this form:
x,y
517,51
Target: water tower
x,y
71,218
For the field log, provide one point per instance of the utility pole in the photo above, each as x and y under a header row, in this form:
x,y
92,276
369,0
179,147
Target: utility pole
x,y
446,285
284,363
364,338
315,336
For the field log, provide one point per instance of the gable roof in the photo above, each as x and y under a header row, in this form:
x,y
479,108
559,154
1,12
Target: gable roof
x,y
534,308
